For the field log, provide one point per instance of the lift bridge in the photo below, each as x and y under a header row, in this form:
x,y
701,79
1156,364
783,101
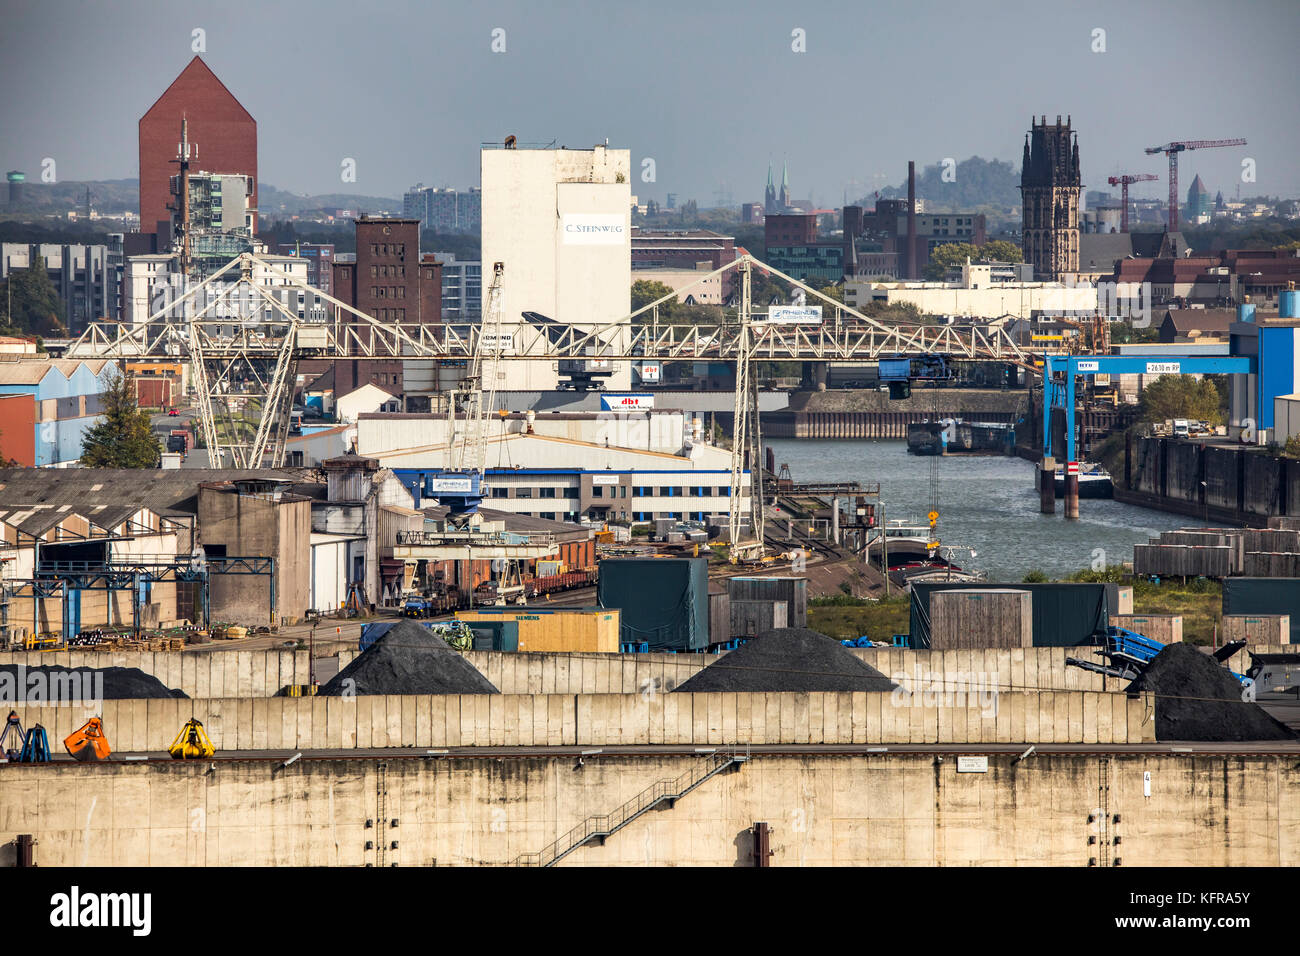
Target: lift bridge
x,y
243,344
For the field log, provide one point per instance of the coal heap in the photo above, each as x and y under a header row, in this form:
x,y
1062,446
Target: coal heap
x,y
19,683
409,659
1197,699
788,659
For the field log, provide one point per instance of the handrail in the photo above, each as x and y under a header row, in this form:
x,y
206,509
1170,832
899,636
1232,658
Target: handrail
x,y
604,824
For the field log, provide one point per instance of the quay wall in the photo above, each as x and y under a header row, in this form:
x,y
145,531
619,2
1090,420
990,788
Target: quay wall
x,y
893,809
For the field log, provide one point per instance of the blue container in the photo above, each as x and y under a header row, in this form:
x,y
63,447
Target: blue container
x,y
1288,304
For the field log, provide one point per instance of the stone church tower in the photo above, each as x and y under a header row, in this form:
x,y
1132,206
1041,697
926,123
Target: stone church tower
x,y
1049,193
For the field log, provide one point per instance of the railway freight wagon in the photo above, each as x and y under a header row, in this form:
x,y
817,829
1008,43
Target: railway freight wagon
x,y
664,601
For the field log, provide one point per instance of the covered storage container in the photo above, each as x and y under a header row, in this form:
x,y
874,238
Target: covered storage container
x,y
664,601
791,591
975,618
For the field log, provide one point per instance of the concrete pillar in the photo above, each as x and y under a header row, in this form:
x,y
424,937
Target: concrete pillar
x,y
1071,493
1047,487
835,520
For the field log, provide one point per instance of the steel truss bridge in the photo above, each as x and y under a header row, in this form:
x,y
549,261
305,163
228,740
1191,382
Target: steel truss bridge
x,y
243,344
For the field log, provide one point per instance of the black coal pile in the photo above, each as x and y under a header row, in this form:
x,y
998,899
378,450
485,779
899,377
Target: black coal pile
x,y
409,659
1197,699
788,659
50,683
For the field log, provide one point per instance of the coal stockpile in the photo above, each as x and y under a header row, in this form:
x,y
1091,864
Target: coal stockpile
x,y
1197,699
787,659
408,659
52,684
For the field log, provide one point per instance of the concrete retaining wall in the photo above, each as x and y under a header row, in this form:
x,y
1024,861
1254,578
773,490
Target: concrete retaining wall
x,y
881,810
196,674
527,720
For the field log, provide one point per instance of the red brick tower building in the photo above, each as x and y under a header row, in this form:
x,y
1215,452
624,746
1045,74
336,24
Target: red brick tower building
x,y
221,129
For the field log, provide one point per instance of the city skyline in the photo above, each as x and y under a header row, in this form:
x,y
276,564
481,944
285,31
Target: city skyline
x,y
312,121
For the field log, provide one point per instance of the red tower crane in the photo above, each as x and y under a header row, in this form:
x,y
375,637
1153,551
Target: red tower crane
x,y
1172,150
1123,181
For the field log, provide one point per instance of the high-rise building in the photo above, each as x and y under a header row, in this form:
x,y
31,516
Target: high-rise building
x,y
462,288
221,218
559,220
1049,190
87,277
444,211
222,134
390,281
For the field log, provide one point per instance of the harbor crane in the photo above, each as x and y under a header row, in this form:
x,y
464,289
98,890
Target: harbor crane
x,y
244,345
1172,150
462,487
1122,182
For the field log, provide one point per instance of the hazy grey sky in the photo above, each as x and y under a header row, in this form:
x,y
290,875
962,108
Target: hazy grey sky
x,y
710,90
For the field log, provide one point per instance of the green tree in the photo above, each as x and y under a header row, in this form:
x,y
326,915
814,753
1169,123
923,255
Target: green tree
x,y
949,254
1181,396
999,250
645,291
29,303
124,438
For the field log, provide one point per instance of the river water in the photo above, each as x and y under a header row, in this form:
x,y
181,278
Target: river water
x,y
986,503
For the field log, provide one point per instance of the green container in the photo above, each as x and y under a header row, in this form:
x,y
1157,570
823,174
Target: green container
x,y
664,601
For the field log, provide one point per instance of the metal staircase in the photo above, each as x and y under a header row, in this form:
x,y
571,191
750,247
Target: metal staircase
x,y
600,827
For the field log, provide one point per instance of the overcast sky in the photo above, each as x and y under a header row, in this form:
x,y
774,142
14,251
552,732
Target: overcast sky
x,y
709,90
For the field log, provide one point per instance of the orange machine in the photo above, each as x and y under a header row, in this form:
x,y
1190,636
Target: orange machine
x,y
88,742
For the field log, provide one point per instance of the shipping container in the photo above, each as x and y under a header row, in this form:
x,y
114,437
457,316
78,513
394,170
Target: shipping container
x,y
1165,628
1258,596
1064,614
975,618
1256,628
495,635
792,591
664,601
558,630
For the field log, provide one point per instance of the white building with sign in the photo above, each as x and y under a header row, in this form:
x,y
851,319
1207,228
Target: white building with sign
x,y
618,466
560,221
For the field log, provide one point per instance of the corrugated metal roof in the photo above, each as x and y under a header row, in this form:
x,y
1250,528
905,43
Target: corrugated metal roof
x,y
164,492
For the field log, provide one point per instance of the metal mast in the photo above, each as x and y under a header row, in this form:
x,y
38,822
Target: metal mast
x,y
746,446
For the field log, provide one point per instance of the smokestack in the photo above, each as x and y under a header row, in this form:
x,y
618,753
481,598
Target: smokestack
x,y
912,270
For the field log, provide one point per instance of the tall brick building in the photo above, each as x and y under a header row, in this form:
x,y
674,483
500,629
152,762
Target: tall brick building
x,y
222,130
1049,193
393,283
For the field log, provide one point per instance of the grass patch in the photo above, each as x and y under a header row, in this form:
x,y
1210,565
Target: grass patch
x,y
843,617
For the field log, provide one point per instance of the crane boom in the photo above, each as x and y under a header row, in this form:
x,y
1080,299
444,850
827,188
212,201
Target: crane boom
x,y
1172,150
1122,182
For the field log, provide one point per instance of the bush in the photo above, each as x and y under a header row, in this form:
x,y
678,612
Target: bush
x,y
1035,577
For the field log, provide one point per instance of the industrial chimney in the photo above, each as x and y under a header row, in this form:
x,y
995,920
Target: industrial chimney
x,y
913,272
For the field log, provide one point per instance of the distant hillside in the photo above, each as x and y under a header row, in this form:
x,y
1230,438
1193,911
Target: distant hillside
x,y
978,182
115,196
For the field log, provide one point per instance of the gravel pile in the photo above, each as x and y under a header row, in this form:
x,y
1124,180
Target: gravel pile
x,y
1197,699
53,683
788,659
408,659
